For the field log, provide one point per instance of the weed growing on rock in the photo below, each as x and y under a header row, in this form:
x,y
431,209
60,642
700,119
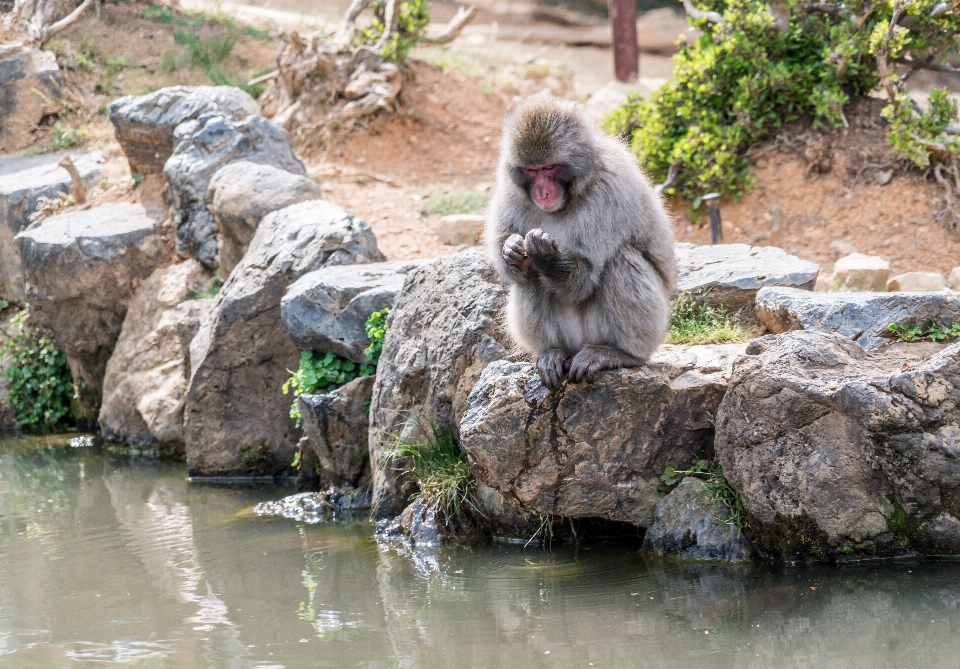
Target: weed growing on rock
x,y
716,486
692,323
376,328
41,387
212,291
441,471
753,70
902,332
65,137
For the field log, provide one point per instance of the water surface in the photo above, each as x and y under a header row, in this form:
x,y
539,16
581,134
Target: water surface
x,y
108,560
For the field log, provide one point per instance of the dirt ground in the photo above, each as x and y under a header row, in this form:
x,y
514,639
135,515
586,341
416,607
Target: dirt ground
x,y
806,196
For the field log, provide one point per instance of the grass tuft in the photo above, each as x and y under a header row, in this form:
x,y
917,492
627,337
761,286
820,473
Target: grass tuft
x,y
457,202
692,323
715,485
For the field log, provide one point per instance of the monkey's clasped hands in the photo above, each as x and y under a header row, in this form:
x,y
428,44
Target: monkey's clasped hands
x,y
537,249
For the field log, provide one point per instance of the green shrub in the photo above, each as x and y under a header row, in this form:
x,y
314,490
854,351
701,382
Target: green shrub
x,y
912,333
411,22
64,136
744,77
376,328
691,323
41,387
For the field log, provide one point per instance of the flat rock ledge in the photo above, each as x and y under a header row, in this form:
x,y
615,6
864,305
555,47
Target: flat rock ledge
x,y
595,451
862,317
840,452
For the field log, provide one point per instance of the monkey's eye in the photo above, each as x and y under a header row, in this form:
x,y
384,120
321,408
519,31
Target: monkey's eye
x,y
533,171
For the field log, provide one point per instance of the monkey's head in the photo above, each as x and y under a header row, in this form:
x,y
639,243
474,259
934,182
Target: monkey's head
x,y
548,148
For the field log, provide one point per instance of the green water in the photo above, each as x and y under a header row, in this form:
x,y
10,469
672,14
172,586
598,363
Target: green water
x,y
107,560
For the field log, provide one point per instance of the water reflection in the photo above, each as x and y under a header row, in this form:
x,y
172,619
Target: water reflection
x,y
107,561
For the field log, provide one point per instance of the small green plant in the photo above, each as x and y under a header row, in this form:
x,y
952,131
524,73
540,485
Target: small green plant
x,y
41,387
64,136
441,472
4,304
902,332
321,373
457,202
692,323
376,328
215,285
410,23
170,63
716,486
208,52
256,33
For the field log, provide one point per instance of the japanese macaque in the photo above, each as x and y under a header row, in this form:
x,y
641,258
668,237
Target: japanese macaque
x,y
584,241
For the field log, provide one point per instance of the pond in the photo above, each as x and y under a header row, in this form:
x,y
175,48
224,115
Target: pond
x,y
107,560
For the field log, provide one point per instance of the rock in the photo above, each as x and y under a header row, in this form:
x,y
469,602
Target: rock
x,y
29,80
917,282
689,525
335,425
145,123
421,524
595,451
862,317
206,145
861,272
444,328
457,229
242,193
614,94
81,269
729,275
839,451
237,421
23,181
8,413
327,310
954,280
146,377
313,507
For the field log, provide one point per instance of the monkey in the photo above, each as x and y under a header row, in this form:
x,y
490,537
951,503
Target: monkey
x,y
584,242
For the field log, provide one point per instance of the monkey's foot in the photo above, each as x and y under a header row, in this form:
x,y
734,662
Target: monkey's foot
x,y
591,360
553,365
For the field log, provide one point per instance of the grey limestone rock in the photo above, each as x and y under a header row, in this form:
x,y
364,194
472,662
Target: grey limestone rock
x,y
241,194
690,526
314,507
729,275
144,124
29,80
335,425
862,317
81,269
327,310
837,451
237,421
444,328
595,451
23,181
146,377
205,145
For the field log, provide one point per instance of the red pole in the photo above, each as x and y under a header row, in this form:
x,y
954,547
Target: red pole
x,y
623,21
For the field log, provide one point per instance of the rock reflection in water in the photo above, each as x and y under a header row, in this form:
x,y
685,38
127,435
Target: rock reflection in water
x,y
106,561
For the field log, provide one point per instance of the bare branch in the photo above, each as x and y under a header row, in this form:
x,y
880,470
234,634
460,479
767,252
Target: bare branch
x,y
66,21
263,78
884,51
7,49
388,25
464,16
697,14
77,190
927,65
345,32
672,173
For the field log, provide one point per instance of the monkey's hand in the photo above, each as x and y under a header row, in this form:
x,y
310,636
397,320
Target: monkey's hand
x,y
515,253
546,256
553,365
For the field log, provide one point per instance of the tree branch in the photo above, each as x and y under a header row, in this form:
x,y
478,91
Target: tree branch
x,y
884,51
698,14
464,16
66,20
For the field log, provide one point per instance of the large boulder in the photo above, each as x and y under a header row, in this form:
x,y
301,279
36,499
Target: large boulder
x,y
839,451
80,270
144,124
862,317
29,80
237,421
729,275
23,181
335,426
444,328
327,310
595,450
146,377
689,525
242,193
204,146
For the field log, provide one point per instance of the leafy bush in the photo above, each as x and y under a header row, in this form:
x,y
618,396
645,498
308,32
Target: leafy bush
x,y
691,323
716,486
376,329
912,333
41,387
411,22
747,75
441,472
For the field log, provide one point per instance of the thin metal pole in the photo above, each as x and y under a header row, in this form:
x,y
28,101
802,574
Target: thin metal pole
x,y
626,54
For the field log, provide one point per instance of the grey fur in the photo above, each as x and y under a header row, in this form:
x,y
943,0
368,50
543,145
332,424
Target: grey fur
x,y
593,290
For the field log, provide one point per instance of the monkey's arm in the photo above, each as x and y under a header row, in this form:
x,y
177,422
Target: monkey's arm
x,y
562,271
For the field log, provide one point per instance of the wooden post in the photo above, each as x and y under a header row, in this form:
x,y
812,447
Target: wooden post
x,y
623,22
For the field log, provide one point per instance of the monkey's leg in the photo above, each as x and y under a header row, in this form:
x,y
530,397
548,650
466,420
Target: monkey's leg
x,y
553,365
592,359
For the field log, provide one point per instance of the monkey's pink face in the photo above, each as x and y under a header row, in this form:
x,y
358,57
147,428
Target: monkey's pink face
x,y
546,190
